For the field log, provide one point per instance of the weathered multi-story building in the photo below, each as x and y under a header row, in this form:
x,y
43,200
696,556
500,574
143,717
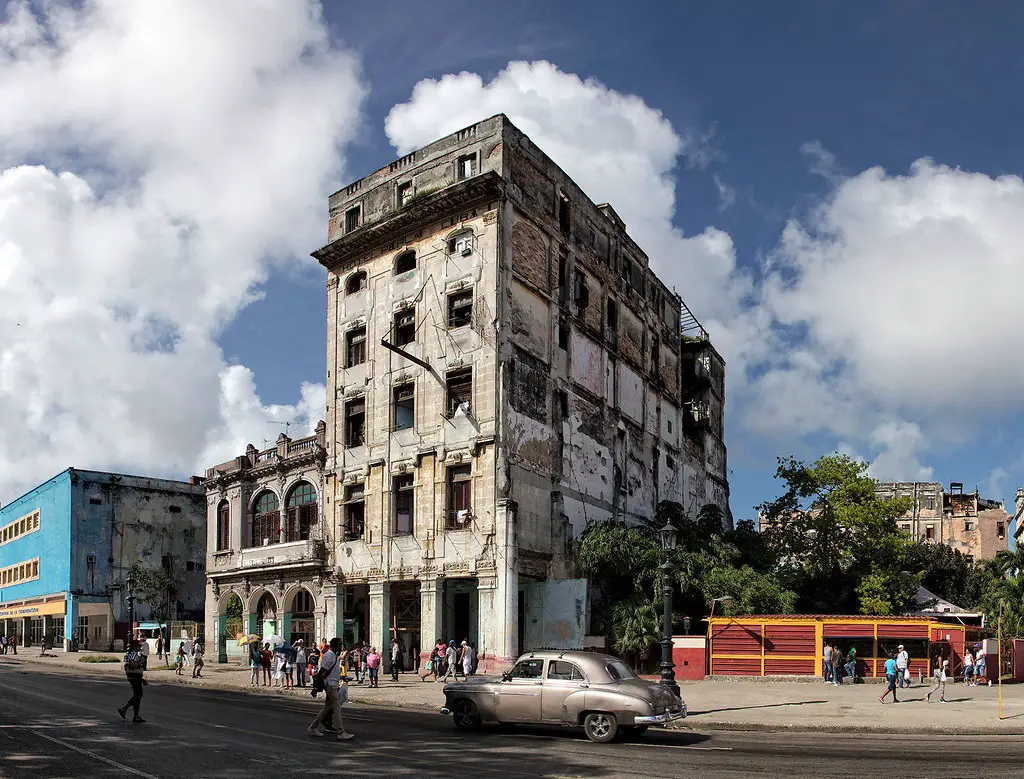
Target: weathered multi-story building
x,y
503,367
268,545
973,525
67,546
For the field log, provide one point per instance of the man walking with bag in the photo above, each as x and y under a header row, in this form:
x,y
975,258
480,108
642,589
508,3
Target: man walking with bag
x,y
329,674
134,669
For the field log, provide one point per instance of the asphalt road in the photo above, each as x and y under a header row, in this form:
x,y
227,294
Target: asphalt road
x,y
59,725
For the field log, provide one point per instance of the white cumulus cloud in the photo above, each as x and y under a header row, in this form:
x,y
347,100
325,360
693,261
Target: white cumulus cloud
x,y
155,159
903,289
617,148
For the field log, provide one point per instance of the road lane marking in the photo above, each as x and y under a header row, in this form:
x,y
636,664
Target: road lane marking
x,y
93,755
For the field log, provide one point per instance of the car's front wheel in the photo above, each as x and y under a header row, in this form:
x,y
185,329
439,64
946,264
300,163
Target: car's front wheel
x,y
465,715
600,727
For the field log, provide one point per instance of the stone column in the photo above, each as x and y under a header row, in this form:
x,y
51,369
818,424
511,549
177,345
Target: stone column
x,y
431,613
380,618
499,596
70,621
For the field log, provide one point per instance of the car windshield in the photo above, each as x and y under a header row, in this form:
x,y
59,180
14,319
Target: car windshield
x,y
619,670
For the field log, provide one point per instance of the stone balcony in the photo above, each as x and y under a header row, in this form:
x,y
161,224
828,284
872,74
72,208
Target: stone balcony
x,y
294,554
286,453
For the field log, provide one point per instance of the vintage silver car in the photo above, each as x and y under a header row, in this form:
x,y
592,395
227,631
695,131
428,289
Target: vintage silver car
x,y
599,693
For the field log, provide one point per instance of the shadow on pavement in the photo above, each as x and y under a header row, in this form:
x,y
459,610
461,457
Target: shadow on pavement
x,y
761,706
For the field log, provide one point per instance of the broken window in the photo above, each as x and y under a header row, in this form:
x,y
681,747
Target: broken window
x,y
403,407
458,391
670,463
466,166
402,494
266,520
404,327
355,422
929,532
460,497
1000,529
351,219
969,558
593,238
564,222
355,347
404,193
301,511
355,283
461,244
460,308
563,334
968,525
405,262
613,315
563,403
580,291
905,527
355,512
223,527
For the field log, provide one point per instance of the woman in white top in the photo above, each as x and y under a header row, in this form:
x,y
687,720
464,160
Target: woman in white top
x,y
940,683
968,668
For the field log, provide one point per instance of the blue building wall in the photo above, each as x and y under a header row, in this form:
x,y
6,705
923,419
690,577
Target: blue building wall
x,y
51,543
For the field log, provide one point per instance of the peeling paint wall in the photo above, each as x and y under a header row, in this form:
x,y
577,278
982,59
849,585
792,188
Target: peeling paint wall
x,y
556,614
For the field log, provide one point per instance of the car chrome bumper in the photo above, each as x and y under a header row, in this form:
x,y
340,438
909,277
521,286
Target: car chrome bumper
x,y
445,710
661,719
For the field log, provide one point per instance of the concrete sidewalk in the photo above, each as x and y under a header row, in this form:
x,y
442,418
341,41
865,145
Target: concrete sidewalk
x,y
713,704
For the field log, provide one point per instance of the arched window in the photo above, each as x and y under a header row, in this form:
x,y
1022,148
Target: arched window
x,y
223,526
266,520
461,243
356,283
302,509
303,603
404,262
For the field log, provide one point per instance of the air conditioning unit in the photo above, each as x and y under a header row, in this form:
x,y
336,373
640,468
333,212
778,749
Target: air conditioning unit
x,y
467,250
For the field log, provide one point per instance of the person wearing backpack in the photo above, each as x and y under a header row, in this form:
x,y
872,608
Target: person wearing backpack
x,y
133,670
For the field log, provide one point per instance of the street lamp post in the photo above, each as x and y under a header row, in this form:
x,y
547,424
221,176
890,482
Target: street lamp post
x,y
668,543
129,583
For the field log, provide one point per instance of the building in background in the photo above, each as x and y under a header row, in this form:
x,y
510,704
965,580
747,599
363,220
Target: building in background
x,y
268,565
503,367
975,526
67,545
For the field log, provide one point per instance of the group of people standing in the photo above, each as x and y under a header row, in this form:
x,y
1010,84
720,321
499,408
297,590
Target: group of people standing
x,y
9,643
446,660
836,666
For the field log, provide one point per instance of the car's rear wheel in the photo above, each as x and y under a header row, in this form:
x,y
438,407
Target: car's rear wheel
x,y
600,727
465,715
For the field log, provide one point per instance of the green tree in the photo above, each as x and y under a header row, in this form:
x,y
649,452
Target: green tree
x,y
886,591
153,587
636,627
752,592
829,530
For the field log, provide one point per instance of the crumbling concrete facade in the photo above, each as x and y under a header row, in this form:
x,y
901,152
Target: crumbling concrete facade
x,y
83,531
269,546
975,526
503,367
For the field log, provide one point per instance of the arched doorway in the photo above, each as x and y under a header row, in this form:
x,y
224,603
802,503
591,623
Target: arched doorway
x,y
230,627
302,618
266,616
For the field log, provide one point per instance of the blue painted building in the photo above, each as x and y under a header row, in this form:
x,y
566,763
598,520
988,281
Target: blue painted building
x,y
67,545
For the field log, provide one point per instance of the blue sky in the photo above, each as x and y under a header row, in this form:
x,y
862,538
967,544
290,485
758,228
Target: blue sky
x,y
834,188
876,84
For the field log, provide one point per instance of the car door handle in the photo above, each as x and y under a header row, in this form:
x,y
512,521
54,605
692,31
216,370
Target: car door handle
x,y
538,684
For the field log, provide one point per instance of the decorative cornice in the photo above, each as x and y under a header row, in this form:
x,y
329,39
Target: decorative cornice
x,y
422,210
